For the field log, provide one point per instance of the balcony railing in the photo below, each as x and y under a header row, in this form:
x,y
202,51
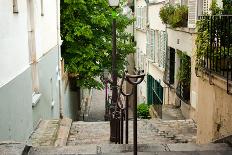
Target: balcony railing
x,y
217,58
183,92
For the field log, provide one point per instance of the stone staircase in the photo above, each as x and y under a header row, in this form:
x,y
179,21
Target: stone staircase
x,y
149,149
155,136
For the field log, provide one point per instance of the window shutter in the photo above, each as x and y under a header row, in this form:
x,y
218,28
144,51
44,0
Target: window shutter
x,y
137,58
136,13
156,43
140,17
159,48
192,13
152,45
167,66
205,6
144,17
148,43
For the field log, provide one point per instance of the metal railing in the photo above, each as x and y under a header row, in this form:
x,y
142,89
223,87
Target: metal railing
x,y
120,113
183,92
217,58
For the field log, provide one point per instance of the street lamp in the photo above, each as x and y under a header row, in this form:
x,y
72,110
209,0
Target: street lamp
x,y
114,4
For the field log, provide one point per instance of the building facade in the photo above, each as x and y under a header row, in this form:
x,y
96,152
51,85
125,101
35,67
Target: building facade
x,y
170,59
30,80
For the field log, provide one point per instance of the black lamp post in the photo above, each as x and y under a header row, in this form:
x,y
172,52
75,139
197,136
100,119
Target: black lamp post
x,y
114,4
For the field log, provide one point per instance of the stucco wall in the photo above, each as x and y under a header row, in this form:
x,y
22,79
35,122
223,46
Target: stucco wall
x,y
181,40
48,87
45,26
214,112
71,103
14,55
15,108
154,18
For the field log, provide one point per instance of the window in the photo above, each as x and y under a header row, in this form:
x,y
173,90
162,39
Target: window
x,y
15,6
141,17
169,74
150,45
205,6
192,13
155,91
137,58
162,48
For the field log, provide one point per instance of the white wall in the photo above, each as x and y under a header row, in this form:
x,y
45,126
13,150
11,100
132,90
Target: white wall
x,y
14,56
154,18
45,27
180,40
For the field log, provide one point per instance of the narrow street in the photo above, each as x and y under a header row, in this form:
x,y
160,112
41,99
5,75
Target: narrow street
x,y
97,107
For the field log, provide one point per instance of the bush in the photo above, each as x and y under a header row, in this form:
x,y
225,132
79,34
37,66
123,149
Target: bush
x,y
180,17
176,16
143,111
165,13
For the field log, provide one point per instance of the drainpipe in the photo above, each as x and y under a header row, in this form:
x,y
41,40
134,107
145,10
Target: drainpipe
x,y
60,100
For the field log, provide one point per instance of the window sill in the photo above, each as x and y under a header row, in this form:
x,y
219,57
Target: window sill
x,y
141,29
35,98
158,66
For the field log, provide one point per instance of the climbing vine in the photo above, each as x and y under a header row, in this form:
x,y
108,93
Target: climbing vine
x,y
184,71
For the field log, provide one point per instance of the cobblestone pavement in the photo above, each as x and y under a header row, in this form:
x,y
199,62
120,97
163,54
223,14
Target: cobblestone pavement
x,y
153,131
170,112
45,134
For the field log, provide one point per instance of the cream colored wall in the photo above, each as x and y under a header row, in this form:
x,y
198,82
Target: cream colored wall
x,y
140,37
154,18
185,40
45,26
214,113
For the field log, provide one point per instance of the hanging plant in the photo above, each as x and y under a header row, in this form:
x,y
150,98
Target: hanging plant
x,y
174,15
184,71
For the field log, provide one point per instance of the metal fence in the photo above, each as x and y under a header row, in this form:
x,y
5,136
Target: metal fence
x,y
217,58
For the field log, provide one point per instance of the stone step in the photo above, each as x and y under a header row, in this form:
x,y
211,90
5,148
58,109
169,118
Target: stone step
x,y
128,148
51,133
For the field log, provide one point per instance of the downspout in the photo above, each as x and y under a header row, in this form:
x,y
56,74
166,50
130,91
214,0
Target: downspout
x,y
60,100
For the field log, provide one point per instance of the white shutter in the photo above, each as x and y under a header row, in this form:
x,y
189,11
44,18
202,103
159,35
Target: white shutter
x,y
144,17
152,35
148,44
156,51
192,13
136,22
163,44
205,6
137,58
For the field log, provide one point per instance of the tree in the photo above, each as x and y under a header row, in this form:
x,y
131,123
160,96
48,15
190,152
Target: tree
x,y
86,34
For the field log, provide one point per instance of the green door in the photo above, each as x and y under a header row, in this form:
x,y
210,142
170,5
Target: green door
x,y
154,91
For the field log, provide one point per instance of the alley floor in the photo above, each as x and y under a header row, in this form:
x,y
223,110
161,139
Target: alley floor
x,y
173,128
172,132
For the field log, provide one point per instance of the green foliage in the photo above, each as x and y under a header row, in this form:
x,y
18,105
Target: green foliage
x,y
184,71
202,41
165,13
203,31
215,10
175,16
86,33
143,111
180,17
227,7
